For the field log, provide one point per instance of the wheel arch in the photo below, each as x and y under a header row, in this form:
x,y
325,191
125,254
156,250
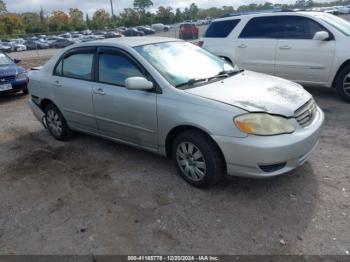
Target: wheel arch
x,y
44,102
182,128
345,64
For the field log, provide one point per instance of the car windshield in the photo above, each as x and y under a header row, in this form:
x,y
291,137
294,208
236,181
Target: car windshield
x,y
181,62
338,23
5,60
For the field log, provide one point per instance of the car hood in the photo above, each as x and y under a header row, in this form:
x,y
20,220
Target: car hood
x,y
256,92
10,70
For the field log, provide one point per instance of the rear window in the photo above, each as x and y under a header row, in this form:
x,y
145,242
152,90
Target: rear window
x,y
221,29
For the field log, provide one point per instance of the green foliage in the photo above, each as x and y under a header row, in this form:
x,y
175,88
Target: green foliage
x,y
100,19
142,4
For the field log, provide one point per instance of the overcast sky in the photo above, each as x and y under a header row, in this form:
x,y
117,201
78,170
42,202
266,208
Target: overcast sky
x,y
89,6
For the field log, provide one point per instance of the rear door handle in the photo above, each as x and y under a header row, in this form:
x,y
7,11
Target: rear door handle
x,y
242,46
285,47
99,91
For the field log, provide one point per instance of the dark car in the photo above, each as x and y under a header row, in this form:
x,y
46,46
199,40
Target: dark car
x,y
112,34
133,32
188,31
146,30
13,78
63,42
36,44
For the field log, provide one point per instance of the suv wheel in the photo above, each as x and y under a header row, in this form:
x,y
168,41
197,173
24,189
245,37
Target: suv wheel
x,y
198,159
56,124
343,83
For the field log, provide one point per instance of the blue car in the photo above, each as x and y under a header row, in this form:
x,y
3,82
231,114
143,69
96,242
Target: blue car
x,y
13,78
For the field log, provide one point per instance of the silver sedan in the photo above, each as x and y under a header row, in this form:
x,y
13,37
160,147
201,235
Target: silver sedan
x,y
175,99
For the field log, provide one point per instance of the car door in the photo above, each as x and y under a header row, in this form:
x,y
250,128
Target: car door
x,y
299,57
127,115
255,48
72,87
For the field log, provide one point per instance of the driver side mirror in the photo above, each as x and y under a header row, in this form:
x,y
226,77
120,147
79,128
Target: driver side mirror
x,y
138,83
322,36
17,61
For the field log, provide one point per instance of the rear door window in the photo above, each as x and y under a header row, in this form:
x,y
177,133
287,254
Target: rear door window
x,y
221,29
78,66
263,27
297,27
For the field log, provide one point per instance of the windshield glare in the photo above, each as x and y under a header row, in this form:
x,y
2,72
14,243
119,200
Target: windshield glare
x,y
5,60
180,62
338,23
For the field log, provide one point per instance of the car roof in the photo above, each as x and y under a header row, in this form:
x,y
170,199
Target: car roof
x,y
262,14
132,41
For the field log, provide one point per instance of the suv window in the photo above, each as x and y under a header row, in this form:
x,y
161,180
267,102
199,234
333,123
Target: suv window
x,y
263,27
221,29
281,27
116,68
77,66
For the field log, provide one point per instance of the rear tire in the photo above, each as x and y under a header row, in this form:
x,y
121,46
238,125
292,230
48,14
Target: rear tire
x,y
198,159
25,91
343,83
56,123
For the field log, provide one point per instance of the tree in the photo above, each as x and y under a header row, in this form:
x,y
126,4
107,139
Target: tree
x,y
100,19
59,21
142,5
178,15
76,19
130,17
165,15
3,9
11,24
193,11
32,23
88,21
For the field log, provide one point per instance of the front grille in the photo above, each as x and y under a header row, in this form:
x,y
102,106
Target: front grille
x,y
7,79
306,114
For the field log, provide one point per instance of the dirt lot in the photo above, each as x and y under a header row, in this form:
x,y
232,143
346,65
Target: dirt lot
x,y
93,196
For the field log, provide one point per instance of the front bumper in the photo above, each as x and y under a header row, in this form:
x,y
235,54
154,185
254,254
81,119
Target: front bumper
x,y
248,156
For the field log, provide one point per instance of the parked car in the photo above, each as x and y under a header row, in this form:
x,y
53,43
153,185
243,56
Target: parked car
x,y
61,43
188,31
160,27
187,103
310,48
133,32
4,48
36,44
13,78
112,34
14,47
146,30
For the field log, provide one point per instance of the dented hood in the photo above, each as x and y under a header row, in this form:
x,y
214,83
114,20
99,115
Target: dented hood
x,y
256,92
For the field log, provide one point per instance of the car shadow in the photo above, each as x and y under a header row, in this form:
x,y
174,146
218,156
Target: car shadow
x,y
10,97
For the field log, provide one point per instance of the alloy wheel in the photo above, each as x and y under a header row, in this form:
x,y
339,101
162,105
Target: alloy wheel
x,y
346,85
54,122
191,161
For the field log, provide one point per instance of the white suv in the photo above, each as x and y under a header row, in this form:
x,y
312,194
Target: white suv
x,y
310,48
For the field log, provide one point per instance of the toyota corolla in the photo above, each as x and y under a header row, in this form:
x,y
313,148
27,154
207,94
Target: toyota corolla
x,y
173,98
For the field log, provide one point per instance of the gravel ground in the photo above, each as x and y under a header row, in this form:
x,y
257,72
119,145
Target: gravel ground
x,y
90,195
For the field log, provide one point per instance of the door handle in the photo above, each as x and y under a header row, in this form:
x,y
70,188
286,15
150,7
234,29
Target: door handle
x,y
242,46
57,83
99,91
285,47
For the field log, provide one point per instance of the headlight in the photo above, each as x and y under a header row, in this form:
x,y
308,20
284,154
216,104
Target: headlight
x,y
263,124
22,76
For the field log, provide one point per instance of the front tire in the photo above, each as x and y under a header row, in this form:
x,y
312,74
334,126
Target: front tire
x,y
343,83
56,123
198,159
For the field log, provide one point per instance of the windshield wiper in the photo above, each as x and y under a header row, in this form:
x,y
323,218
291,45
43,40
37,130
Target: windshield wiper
x,y
219,75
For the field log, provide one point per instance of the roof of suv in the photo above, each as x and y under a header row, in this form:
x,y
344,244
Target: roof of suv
x,y
262,14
